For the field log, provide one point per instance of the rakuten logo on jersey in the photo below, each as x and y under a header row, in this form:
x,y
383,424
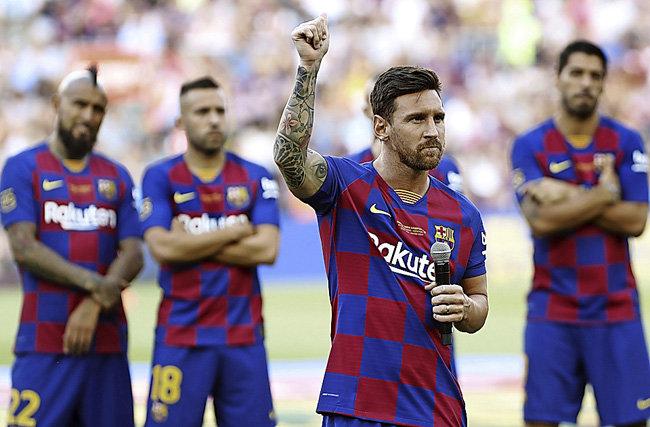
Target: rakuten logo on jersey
x,y
71,217
204,224
402,261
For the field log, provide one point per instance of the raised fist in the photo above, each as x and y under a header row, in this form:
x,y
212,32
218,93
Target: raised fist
x,y
311,39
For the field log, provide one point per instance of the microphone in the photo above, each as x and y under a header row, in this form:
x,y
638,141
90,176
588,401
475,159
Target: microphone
x,y
440,254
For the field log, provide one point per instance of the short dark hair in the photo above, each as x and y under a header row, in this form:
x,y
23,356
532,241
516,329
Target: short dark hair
x,y
583,46
93,69
200,83
398,81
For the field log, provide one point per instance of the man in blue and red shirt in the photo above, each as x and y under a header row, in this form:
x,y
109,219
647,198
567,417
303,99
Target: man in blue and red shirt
x,y
74,233
581,180
378,220
209,218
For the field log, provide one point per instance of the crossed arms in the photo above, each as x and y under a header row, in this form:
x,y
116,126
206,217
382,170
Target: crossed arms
x,y
552,206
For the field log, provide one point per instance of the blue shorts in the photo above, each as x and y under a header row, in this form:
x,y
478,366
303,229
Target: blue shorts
x,y
57,390
182,379
334,420
563,358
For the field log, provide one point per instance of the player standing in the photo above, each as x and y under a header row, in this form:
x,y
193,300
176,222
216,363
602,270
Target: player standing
x,y
209,218
581,180
74,233
377,222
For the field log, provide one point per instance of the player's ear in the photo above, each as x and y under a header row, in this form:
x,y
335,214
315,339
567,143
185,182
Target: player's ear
x,y
380,127
56,101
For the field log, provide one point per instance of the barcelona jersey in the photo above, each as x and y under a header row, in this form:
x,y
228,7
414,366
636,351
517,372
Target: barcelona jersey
x,y
387,362
583,275
446,172
208,303
82,216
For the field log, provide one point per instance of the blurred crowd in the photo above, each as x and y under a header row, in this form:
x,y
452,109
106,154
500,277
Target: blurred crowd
x,y
496,59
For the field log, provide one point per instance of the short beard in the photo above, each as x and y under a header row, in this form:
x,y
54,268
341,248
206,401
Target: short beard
x,y
579,113
75,148
416,161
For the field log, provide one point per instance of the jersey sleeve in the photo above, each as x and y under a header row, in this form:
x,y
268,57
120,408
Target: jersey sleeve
x,y
265,210
155,208
524,166
325,198
633,171
128,223
477,255
16,193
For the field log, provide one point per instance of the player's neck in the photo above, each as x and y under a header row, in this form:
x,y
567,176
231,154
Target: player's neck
x,y
400,177
205,166
569,125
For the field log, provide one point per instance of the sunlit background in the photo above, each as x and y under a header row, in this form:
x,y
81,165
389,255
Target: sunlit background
x,y
496,59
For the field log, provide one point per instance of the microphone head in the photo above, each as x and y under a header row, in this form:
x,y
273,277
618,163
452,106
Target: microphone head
x,y
440,252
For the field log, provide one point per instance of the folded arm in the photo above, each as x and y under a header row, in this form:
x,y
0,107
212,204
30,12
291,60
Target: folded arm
x,y
258,248
178,246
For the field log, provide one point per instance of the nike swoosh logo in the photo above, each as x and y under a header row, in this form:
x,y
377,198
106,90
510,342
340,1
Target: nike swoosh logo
x,y
643,404
52,185
374,209
557,167
183,197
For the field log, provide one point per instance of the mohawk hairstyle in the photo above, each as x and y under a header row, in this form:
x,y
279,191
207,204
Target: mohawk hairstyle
x,y
206,82
93,69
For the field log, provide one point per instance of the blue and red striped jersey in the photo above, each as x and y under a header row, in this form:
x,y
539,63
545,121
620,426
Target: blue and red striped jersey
x,y
446,172
584,275
387,362
208,303
82,216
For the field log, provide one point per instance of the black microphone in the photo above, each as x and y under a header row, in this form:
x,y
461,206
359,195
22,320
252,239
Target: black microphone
x,y
440,254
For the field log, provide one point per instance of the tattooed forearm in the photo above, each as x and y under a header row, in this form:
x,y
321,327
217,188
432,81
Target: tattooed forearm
x,y
291,160
295,128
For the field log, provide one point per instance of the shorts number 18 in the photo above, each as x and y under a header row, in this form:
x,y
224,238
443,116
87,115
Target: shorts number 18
x,y
166,384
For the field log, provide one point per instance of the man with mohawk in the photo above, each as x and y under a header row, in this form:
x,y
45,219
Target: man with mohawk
x,y
74,233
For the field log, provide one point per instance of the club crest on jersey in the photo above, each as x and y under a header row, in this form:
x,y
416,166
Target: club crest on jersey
x,y
107,188
238,196
7,200
518,179
444,234
146,208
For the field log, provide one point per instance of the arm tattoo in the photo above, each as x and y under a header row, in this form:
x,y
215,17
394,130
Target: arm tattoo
x,y
294,132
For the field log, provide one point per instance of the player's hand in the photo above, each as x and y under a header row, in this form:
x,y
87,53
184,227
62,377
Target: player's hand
x,y
550,190
605,165
311,40
107,291
450,304
80,328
